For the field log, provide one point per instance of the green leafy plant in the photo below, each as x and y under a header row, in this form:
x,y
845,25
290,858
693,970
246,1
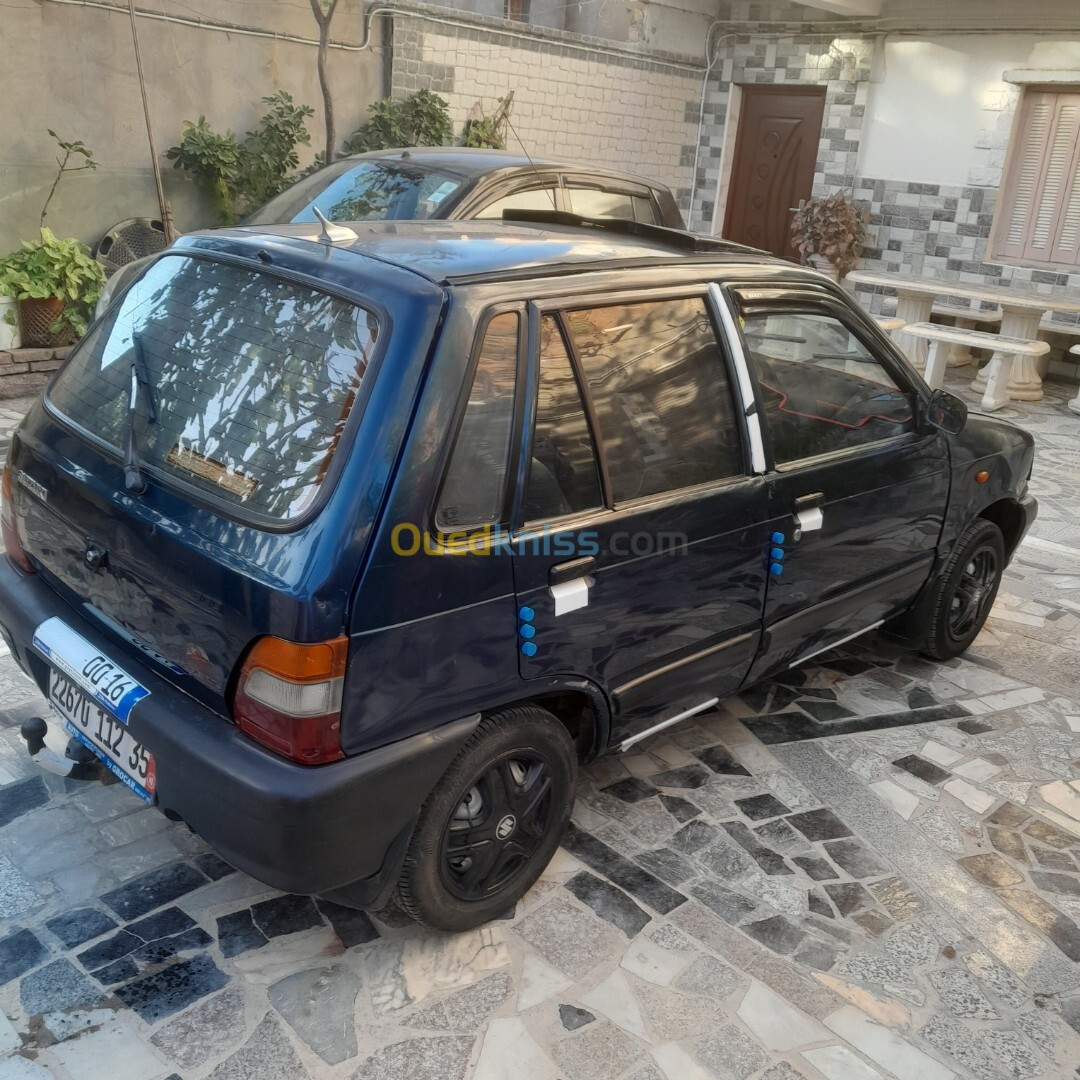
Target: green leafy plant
x,y
55,268
420,120
482,130
833,228
70,150
239,176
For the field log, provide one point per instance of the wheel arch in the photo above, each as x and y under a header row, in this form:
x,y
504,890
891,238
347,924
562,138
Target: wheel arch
x,y
579,705
1008,516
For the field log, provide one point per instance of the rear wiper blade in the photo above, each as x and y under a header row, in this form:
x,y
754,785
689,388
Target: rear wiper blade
x,y
140,380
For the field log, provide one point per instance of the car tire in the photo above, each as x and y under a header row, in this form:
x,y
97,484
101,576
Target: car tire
x,y
965,591
492,823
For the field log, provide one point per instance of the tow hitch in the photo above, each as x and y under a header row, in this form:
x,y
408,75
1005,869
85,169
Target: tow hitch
x,y
78,763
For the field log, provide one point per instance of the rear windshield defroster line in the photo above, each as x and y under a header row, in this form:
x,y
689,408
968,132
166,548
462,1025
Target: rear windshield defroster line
x,y
253,378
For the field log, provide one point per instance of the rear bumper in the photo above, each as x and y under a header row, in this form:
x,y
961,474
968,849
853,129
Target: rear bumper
x,y
297,828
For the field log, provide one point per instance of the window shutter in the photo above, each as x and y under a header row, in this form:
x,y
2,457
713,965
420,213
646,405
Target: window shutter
x,y
1040,211
1066,250
1058,173
1036,120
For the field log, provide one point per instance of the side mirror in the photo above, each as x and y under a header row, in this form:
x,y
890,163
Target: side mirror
x,y
946,412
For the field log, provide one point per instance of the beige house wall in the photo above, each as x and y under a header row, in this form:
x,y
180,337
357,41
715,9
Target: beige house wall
x,y
71,67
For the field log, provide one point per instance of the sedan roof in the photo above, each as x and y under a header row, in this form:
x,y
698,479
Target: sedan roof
x,y
448,251
471,162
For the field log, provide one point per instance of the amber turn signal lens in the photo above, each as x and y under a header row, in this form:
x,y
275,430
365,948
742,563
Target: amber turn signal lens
x,y
288,697
982,476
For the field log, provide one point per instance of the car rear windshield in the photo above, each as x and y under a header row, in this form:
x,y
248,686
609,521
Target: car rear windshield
x,y
363,191
242,383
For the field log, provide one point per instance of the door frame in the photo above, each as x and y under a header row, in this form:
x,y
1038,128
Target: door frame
x,y
732,140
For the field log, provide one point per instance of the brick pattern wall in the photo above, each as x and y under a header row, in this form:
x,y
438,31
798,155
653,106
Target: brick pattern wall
x,y
573,97
25,371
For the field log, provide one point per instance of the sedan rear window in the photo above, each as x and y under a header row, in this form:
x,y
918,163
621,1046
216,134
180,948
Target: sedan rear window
x,y
237,383
363,191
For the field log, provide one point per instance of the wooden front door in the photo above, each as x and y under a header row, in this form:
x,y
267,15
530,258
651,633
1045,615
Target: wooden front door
x,y
775,154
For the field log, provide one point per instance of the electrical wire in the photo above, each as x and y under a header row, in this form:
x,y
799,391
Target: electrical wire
x,y
220,26
711,56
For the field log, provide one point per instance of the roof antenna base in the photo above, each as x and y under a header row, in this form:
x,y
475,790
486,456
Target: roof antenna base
x,y
331,233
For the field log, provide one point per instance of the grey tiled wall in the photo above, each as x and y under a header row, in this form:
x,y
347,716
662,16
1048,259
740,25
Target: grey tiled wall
x,y
841,65
928,230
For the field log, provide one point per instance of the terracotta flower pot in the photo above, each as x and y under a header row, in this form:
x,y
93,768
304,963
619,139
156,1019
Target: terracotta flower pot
x,y
36,316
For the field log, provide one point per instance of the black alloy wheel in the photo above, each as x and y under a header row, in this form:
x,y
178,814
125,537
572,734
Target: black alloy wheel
x,y
965,590
498,826
493,821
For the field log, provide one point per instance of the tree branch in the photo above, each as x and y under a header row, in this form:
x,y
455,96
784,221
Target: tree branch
x,y
323,18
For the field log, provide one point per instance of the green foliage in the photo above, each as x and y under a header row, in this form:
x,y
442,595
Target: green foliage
x,y
213,160
488,132
420,120
240,176
76,149
54,267
831,227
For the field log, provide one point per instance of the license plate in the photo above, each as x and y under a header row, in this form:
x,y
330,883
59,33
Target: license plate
x,y
104,734
83,664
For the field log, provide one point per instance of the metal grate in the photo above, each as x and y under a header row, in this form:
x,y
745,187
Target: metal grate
x,y
128,240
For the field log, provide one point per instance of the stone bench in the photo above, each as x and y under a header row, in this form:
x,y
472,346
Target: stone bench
x,y
966,318
1075,403
1002,381
1050,326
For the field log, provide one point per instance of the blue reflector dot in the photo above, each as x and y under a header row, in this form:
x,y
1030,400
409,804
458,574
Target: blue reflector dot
x,y
528,648
777,553
776,568
777,537
527,631
526,614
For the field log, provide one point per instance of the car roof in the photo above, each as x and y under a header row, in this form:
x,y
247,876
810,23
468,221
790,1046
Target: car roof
x,y
446,252
472,162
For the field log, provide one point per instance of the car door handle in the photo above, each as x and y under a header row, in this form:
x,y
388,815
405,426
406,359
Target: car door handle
x,y
568,571
813,498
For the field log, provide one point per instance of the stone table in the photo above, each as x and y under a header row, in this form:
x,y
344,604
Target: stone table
x,y
1021,312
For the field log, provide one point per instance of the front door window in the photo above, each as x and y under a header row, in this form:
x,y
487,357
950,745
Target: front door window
x,y
823,391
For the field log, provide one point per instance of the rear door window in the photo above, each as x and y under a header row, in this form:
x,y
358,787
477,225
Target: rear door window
x,y
598,202
563,474
536,198
657,380
472,493
252,380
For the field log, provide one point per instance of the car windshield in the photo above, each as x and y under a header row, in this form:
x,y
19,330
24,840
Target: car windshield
x,y
363,191
252,380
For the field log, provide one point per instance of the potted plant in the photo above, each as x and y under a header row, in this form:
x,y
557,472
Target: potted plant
x,y
829,233
9,322
56,282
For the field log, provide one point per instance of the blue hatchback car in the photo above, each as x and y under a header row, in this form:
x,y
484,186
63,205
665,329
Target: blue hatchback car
x,y
344,545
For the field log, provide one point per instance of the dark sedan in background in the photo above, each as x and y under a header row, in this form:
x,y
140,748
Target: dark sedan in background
x,y
423,183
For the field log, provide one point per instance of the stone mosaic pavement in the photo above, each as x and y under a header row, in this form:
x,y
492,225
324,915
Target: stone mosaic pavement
x,y
869,869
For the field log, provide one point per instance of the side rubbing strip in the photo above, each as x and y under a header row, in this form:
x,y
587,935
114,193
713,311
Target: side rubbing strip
x,y
746,387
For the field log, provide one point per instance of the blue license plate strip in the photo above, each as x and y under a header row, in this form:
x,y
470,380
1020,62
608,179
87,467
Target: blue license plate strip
x,y
101,677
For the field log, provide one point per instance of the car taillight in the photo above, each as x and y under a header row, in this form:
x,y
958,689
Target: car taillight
x,y
9,529
288,697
